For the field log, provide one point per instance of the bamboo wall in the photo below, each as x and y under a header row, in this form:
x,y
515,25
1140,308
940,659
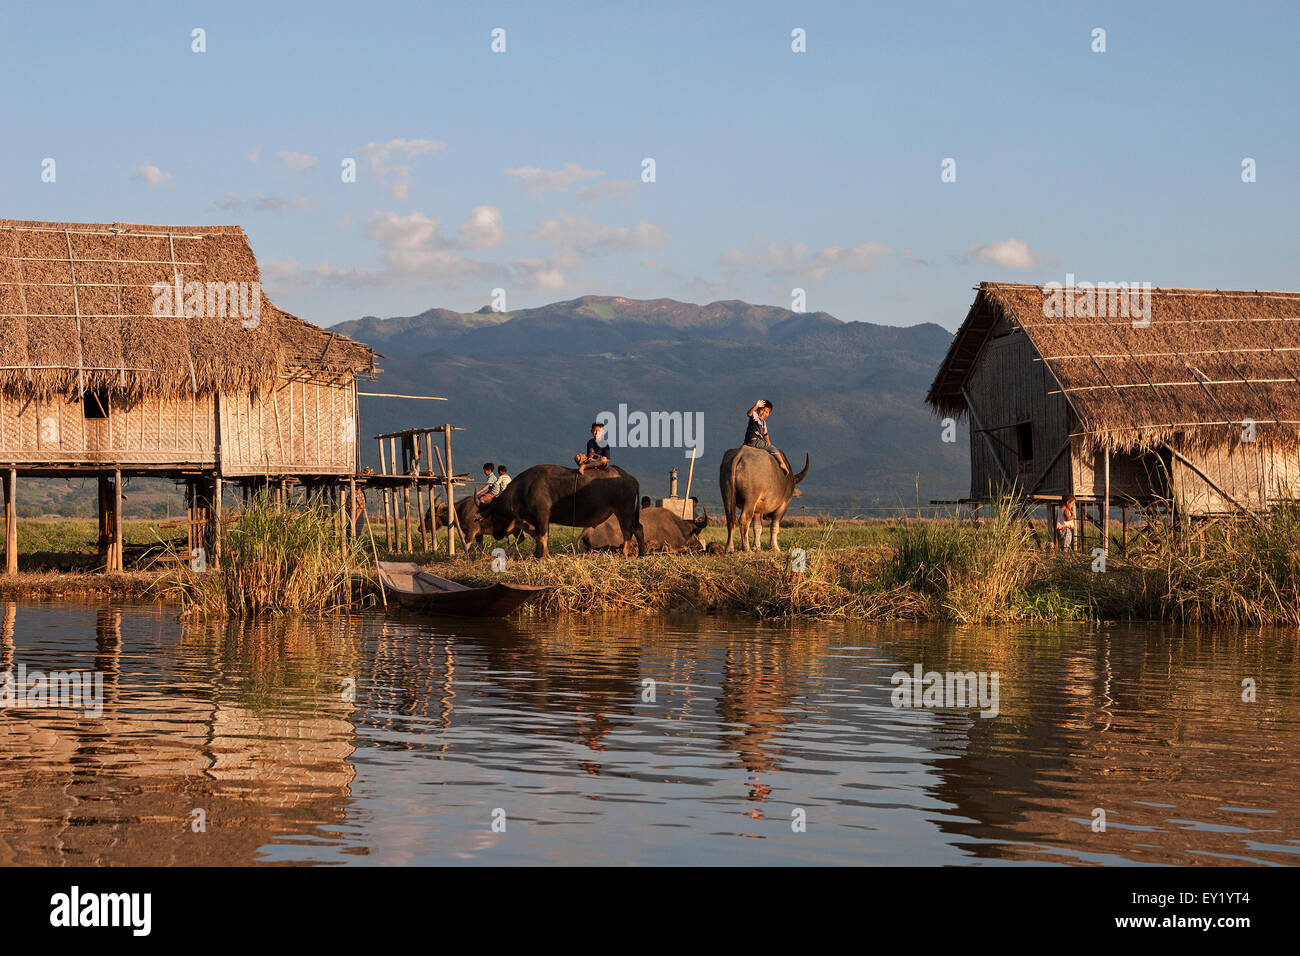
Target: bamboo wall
x,y
1253,474
148,432
302,428
1006,387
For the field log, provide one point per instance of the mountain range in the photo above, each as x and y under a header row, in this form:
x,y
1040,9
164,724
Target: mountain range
x,y
526,386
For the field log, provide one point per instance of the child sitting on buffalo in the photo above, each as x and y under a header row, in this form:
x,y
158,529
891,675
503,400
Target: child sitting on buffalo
x,y
597,455
756,432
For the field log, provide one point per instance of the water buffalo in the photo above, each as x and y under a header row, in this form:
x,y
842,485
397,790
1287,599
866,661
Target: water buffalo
x,y
664,531
753,488
550,494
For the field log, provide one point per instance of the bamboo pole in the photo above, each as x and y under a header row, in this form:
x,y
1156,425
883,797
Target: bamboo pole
x,y
216,521
433,514
452,518
374,551
388,504
117,561
419,517
689,475
406,518
1105,514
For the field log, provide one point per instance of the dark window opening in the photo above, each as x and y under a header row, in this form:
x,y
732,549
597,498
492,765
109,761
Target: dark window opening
x,y
94,403
1025,436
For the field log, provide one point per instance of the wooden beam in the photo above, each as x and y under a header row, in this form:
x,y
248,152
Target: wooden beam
x,y
979,428
1050,465
1206,478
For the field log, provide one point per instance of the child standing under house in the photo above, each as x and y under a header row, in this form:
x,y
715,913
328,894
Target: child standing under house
x,y
756,432
1066,523
596,455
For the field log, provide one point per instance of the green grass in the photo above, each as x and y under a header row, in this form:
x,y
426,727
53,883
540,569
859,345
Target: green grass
x,y
1242,572
273,560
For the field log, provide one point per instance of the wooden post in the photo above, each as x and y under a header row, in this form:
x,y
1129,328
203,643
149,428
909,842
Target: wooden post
x,y
117,559
352,507
11,521
419,517
1123,517
216,521
103,540
383,470
406,518
433,518
1105,512
452,524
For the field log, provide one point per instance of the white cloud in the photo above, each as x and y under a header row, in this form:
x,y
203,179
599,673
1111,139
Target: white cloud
x,y
380,158
538,180
297,162
151,174
795,258
1007,253
545,274
581,233
613,189
483,228
260,202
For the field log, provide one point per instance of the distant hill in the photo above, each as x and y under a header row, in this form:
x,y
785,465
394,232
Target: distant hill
x,y
527,384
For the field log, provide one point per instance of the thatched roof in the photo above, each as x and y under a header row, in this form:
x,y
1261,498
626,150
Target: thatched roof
x,y
76,311
1207,361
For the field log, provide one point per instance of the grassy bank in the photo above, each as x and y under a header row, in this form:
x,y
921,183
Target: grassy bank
x,y
1244,572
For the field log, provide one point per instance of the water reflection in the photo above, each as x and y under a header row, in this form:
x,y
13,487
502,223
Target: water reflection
x,y
396,740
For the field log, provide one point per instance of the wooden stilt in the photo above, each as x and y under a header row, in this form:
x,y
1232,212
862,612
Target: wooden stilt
x,y
1123,517
406,518
1105,509
388,502
453,525
352,507
11,521
117,563
419,517
216,521
104,535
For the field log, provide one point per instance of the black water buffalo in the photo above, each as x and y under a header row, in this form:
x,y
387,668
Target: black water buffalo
x,y
664,531
550,494
473,524
753,488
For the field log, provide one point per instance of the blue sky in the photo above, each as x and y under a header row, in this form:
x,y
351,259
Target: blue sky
x,y
775,170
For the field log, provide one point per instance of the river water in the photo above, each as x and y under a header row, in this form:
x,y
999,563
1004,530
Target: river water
x,y
374,740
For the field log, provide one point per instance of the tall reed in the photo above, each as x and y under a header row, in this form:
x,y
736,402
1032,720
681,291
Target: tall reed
x,y
274,559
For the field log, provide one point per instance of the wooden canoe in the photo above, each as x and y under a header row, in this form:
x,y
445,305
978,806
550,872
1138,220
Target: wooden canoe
x,y
412,587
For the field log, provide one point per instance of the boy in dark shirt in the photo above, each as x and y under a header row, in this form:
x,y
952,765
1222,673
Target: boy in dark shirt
x,y
596,455
756,432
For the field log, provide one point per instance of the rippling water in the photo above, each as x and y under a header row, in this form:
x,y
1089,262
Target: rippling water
x,y
402,740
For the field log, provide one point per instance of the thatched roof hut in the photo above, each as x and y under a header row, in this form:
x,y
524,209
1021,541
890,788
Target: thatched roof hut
x,y
78,312
1187,392
130,349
